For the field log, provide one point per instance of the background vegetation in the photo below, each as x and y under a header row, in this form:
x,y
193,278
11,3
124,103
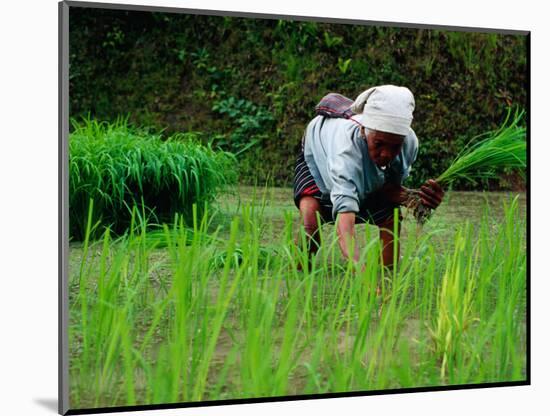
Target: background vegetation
x,y
249,86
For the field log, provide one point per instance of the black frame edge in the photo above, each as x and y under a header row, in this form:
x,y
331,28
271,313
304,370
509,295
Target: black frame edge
x,y
293,398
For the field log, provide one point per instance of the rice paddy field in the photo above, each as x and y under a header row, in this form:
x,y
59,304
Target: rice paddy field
x,y
219,308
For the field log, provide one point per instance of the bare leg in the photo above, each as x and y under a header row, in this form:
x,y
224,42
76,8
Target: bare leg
x,y
309,207
387,239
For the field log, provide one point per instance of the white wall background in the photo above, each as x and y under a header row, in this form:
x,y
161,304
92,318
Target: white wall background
x,y
28,216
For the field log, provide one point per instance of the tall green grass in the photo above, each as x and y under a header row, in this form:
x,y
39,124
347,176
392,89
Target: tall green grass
x,y
120,166
176,324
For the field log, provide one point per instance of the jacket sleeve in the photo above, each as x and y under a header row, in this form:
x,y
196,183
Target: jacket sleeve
x,y
344,165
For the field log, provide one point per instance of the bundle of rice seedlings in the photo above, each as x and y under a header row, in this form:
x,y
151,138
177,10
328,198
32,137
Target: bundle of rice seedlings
x,y
491,154
120,166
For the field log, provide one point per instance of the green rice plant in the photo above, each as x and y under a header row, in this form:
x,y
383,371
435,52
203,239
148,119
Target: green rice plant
x,y
487,156
505,148
455,301
471,324
120,166
156,320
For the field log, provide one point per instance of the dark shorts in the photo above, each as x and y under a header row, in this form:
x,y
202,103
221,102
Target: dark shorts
x,y
374,210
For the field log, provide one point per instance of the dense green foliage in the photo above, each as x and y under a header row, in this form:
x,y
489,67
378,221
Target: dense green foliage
x,y
119,166
250,85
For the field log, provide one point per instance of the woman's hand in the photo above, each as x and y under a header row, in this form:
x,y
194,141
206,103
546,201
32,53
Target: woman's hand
x,y
431,194
396,194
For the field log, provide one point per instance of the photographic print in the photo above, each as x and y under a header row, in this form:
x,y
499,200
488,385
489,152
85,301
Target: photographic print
x,y
280,207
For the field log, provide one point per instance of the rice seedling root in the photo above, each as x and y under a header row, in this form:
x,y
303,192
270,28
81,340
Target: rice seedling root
x,y
421,212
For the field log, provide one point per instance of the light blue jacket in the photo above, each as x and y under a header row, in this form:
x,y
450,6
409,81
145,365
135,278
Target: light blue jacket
x,y
337,156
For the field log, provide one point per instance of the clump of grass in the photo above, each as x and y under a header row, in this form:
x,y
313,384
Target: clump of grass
x,y
504,149
119,166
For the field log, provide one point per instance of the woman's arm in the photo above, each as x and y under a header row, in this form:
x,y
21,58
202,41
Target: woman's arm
x,y
346,233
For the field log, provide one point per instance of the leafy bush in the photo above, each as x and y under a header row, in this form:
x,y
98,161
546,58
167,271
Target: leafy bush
x,y
120,166
252,123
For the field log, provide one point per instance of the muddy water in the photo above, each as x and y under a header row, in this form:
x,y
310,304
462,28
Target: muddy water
x,y
457,208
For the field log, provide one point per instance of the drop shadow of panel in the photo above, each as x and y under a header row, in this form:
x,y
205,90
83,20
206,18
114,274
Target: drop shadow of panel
x,y
50,404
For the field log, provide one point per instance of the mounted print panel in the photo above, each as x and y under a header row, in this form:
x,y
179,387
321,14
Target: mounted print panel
x,y
261,208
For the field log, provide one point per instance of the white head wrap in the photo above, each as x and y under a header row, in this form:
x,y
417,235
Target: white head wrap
x,y
387,108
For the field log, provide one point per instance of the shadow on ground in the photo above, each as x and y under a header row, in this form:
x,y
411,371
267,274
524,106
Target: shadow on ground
x,y
50,404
